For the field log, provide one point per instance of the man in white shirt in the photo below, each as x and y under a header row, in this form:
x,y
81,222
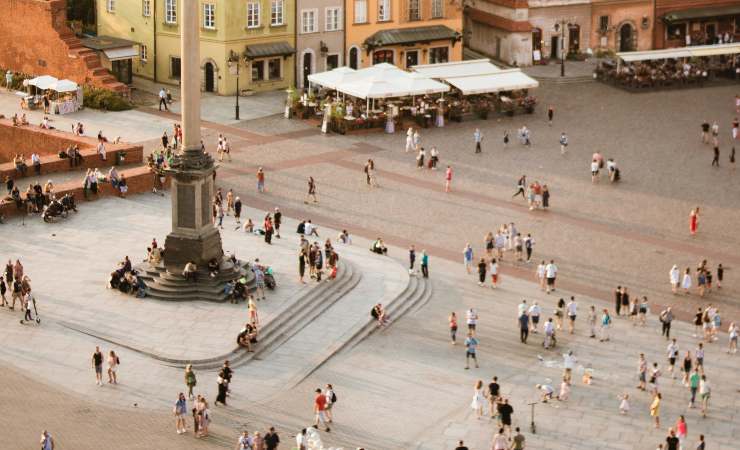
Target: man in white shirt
x,y
163,99
569,363
672,353
472,319
534,316
551,272
244,442
549,333
522,308
101,149
571,308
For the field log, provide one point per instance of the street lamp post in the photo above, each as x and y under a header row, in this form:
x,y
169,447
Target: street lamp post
x,y
234,65
562,25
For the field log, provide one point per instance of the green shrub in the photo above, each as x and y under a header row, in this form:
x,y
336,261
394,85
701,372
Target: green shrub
x,y
18,78
97,98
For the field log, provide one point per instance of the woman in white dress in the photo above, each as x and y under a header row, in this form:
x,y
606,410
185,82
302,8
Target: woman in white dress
x,y
478,399
675,275
686,283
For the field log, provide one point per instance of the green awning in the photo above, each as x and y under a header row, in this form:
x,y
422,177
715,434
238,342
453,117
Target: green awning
x,y
281,48
401,36
701,13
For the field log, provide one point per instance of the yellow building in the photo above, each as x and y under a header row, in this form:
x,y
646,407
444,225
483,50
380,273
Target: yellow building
x,y
255,35
403,32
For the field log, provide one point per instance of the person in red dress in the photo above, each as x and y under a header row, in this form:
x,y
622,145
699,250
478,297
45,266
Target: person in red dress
x,y
694,220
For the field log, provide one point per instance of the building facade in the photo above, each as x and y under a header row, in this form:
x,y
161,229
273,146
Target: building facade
x,y
403,32
319,37
622,25
560,26
694,22
255,36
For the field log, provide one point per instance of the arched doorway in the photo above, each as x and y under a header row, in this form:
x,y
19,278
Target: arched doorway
x,y
574,38
354,58
626,38
536,44
209,75
307,67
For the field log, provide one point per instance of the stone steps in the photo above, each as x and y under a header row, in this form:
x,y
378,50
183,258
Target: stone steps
x,y
166,286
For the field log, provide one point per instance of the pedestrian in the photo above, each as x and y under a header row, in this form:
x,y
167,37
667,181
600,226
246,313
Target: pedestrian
x,y
705,391
550,114
686,281
272,440
732,333
528,244
592,321
624,404
331,398
540,273
672,352
521,186
311,191
190,380
417,140
518,440
571,309
222,385
701,445
551,272
47,442
705,132
674,275
412,259
499,441
681,430
452,320
180,410
113,362
666,317
461,445
686,368
494,273
478,138
244,442
409,139
506,139
563,142
694,220
319,409
478,399
277,220
694,381
467,258
569,363
732,159
97,363
549,330
261,180
699,354
715,161
448,179
424,263
433,158
505,410
482,266
493,396
220,215
606,322
545,196
471,346
163,99
523,327
9,80
671,441
715,133
655,409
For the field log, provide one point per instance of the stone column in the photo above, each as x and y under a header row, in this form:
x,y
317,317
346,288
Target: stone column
x,y
190,74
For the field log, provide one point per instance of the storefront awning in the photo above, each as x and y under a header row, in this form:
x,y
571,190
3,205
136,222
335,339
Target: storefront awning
x,y
457,69
701,13
681,52
401,36
504,80
281,48
117,54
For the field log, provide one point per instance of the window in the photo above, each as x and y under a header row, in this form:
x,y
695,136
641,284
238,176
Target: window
x,y
143,53
308,21
170,11
110,6
146,8
333,20
381,56
253,14
603,23
414,10
360,11
439,55
209,16
258,70
273,68
676,31
384,10
332,62
437,9
277,8
175,67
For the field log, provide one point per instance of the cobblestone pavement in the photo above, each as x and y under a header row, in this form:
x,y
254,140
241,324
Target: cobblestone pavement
x,y
405,387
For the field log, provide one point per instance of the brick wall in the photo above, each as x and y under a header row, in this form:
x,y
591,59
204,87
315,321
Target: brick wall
x,y
31,138
37,41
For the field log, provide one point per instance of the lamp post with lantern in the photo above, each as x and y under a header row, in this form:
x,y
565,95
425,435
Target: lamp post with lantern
x,y
560,26
234,64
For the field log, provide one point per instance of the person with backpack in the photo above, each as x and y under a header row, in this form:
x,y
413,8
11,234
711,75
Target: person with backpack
x,y
666,317
331,398
606,322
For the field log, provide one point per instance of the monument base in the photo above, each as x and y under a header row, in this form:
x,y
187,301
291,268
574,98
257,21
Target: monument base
x,y
180,249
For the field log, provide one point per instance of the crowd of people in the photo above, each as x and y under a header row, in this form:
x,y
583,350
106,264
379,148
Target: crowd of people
x,y
15,287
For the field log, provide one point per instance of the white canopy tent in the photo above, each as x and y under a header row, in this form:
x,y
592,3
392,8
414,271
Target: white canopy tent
x,y
332,78
681,52
43,82
457,69
504,80
64,86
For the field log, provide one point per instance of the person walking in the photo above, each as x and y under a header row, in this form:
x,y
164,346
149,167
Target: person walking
x,y
163,99
331,398
494,273
521,186
420,158
534,316
550,114
97,363
412,259
409,139
319,409
551,272
467,258
686,281
694,221
113,362
493,396
705,391
47,442
592,321
261,180
452,321
190,380
666,317
277,220
506,138
642,372
606,322
424,264
674,276
732,159
448,179
180,410
478,399
672,353
655,409
471,347
311,191
563,142
478,138
528,244
715,161
272,439
523,327
571,310
482,267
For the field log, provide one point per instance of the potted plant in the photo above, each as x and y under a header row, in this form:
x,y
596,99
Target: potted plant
x,y
507,107
528,103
